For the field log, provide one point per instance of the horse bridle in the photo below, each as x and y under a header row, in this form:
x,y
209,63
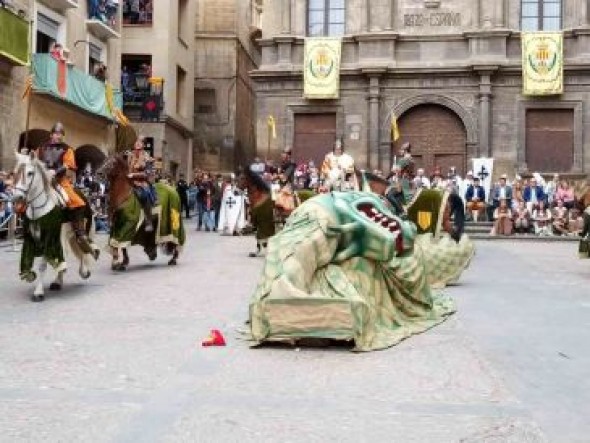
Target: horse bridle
x,y
28,202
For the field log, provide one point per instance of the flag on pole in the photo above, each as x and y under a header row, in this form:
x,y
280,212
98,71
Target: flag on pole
x,y
28,87
394,128
272,127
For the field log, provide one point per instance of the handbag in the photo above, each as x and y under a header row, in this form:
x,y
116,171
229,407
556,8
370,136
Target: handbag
x,y
584,248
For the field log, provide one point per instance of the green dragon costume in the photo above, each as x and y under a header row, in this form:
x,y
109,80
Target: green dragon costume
x,y
344,267
445,259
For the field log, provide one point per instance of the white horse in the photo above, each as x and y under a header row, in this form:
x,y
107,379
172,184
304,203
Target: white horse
x,y
47,234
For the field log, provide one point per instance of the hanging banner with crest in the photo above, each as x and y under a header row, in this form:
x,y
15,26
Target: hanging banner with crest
x,y
321,68
542,63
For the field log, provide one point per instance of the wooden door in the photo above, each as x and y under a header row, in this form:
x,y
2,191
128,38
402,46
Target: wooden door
x,y
314,137
550,140
438,138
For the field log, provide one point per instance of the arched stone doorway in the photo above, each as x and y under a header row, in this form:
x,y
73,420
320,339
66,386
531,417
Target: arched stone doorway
x,y
35,139
89,155
438,137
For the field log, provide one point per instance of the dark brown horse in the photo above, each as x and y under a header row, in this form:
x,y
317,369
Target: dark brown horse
x,y
125,215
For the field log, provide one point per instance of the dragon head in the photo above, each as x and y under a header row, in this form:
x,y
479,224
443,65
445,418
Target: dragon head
x,y
368,228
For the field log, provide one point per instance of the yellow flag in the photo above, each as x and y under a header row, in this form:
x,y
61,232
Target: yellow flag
x,y
272,126
394,128
28,87
542,63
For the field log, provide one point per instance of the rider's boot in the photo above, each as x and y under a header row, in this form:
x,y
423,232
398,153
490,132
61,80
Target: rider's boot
x,y
147,210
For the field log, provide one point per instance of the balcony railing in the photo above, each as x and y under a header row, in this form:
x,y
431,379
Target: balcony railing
x,y
103,18
14,38
72,85
143,97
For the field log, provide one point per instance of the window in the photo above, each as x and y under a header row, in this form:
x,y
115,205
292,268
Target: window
x,y
183,21
541,15
326,17
94,59
47,33
180,91
206,101
137,12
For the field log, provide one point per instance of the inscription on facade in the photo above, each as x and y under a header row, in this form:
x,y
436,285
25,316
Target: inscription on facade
x,y
434,19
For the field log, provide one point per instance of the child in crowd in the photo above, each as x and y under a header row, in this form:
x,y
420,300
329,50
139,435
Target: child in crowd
x,y
560,219
522,218
503,219
209,210
542,219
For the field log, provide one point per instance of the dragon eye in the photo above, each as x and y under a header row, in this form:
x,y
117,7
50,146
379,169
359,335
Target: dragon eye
x,y
30,174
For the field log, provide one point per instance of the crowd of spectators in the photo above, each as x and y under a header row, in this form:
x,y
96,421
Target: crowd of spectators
x,y
6,210
533,206
104,10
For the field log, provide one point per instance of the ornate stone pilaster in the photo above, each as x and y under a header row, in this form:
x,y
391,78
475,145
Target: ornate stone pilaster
x,y
286,23
485,114
374,157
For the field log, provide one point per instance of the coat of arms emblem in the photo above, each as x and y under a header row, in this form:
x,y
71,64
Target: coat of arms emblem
x,y
321,64
543,57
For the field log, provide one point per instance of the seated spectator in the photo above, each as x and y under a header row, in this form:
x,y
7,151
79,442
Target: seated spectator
x,y
565,193
522,218
542,219
560,219
475,198
533,195
517,193
551,189
502,191
575,223
502,219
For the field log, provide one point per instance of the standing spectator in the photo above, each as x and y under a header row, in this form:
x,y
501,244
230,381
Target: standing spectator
x,y
560,219
502,219
502,191
182,189
566,193
475,197
533,195
542,219
209,208
421,181
522,218
258,166
465,184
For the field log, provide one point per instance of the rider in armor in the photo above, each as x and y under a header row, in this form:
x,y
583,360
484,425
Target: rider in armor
x,y
61,161
140,173
407,172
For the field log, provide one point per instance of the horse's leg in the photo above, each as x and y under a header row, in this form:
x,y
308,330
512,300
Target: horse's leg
x,y
58,282
39,294
174,259
84,269
125,257
117,264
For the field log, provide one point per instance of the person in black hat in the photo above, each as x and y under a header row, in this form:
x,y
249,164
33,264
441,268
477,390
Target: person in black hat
x,y
261,210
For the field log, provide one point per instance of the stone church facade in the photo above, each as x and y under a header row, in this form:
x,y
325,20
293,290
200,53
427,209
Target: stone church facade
x,y
449,70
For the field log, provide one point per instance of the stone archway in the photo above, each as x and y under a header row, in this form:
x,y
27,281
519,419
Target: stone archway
x,y
89,155
441,131
35,139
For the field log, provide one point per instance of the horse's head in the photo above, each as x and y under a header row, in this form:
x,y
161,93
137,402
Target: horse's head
x,y
115,167
31,180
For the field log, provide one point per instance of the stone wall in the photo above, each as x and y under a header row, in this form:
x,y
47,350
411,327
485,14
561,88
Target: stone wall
x,y
462,54
12,107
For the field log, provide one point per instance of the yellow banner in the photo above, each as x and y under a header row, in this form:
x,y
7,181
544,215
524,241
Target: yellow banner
x,y
542,63
321,73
